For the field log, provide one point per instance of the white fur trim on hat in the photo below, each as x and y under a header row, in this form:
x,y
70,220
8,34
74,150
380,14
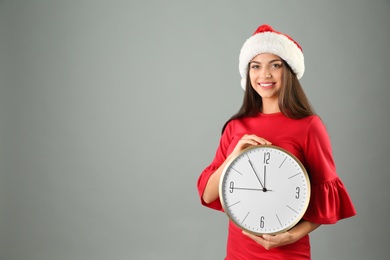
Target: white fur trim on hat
x,y
266,40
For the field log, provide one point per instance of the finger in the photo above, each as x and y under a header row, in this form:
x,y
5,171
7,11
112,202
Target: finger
x,y
266,237
246,139
257,139
258,239
263,141
247,142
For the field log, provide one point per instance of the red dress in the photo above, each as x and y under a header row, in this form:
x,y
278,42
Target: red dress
x,y
308,140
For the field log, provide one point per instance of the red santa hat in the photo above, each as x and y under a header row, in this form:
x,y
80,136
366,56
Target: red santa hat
x,y
267,40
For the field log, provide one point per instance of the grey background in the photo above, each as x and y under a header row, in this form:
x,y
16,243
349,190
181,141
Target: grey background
x,y
109,111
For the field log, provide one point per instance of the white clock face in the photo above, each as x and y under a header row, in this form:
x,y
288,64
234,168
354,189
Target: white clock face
x,y
265,190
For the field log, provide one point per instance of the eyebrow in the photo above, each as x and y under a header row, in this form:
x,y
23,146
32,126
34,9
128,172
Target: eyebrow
x,y
271,61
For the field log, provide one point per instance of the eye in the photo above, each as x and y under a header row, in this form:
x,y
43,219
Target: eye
x,y
255,66
276,65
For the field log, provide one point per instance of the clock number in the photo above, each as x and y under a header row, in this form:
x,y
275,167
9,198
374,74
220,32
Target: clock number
x,y
297,192
262,222
231,187
267,156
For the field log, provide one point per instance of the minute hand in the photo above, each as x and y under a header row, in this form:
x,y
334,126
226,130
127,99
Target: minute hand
x,y
238,188
257,176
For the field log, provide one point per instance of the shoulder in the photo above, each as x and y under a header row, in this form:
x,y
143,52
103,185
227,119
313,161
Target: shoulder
x,y
240,126
236,122
312,121
308,126
315,122
232,125
316,129
303,124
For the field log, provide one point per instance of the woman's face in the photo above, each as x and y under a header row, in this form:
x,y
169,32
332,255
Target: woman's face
x,y
265,72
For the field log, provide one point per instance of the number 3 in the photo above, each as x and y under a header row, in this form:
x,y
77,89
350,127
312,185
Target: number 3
x,y
297,193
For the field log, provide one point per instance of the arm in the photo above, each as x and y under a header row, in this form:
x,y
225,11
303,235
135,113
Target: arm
x,y
269,241
211,192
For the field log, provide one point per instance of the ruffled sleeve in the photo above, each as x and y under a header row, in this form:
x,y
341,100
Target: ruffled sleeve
x,y
329,203
220,157
329,200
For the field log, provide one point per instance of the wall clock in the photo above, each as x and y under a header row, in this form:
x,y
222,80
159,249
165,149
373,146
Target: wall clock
x,y
264,190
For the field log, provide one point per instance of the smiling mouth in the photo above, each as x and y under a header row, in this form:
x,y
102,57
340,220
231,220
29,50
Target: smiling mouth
x,y
267,85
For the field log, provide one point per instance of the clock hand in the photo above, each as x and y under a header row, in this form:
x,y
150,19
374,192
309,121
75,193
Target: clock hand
x,y
264,176
238,188
255,172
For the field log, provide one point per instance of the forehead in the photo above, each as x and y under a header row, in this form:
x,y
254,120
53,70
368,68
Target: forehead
x,y
266,57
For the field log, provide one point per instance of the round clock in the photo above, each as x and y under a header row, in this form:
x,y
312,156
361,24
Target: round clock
x,y
264,190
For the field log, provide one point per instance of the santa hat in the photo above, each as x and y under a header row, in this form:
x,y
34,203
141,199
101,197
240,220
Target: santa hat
x,y
267,40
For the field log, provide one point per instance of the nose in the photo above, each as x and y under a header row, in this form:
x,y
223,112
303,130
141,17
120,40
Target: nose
x,y
265,74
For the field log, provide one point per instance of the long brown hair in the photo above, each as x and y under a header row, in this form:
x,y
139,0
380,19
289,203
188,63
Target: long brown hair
x,y
293,101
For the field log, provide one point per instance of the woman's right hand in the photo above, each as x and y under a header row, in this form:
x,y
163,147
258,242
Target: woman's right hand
x,y
248,140
211,190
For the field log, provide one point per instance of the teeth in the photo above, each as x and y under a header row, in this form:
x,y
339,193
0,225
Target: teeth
x,y
266,85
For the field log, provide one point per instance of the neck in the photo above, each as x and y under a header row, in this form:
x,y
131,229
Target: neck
x,y
270,106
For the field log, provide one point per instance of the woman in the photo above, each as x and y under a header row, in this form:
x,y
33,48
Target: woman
x,y
276,111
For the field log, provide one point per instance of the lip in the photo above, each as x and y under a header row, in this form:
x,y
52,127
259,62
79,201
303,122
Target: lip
x,y
266,85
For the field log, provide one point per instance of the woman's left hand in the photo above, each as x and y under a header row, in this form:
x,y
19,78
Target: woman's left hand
x,y
272,241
